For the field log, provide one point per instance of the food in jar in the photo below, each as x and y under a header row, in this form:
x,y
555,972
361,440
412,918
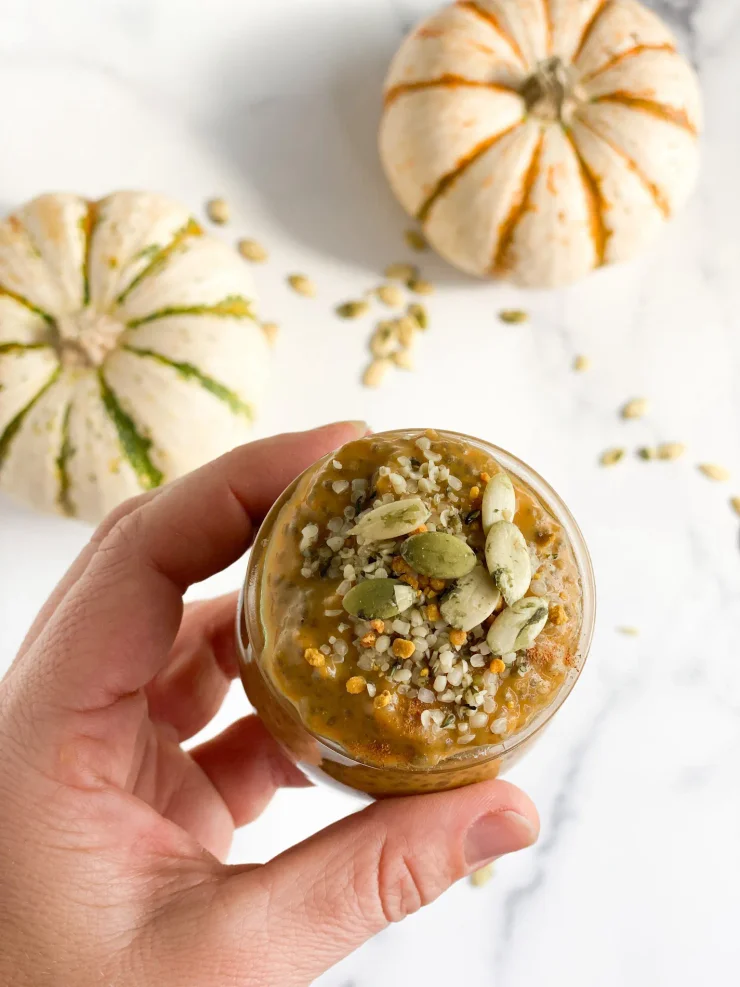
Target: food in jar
x,y
417,602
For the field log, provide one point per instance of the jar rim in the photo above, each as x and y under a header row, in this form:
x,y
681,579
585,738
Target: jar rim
x,y
248,610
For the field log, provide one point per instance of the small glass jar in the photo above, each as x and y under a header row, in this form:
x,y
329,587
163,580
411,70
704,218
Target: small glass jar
x,y
319,756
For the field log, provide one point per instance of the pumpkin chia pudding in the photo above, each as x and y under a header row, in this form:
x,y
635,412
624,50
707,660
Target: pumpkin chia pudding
x,y
418,605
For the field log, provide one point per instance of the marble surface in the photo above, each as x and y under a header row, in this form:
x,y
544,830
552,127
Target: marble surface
x,y
275,106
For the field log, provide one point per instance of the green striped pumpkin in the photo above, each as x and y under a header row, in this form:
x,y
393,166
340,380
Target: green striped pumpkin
x,y
129,350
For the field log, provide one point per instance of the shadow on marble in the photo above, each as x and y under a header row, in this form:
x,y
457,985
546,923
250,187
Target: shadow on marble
x,y
311,153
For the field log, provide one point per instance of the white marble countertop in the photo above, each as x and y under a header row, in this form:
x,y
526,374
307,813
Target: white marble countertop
x,y
274,105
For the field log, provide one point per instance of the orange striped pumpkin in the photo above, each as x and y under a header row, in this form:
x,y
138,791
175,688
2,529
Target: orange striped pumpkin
x,y
129,350
536,140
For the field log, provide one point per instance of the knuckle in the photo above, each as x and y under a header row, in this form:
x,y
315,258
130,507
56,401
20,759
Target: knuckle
x,y
401,885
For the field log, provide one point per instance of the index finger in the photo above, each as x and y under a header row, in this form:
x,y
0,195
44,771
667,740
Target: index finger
x,y
115,626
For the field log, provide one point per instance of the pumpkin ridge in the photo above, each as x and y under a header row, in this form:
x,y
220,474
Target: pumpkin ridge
x,y
26,304
625,56
87,225
507,229
490,18
678,118
134,446
446,181
549,26
447,81
65,452
161,255
13,426
588,29
594,201
233,306
656,193
21,347
190,372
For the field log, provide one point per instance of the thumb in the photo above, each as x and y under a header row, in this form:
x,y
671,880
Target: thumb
x,y
336,890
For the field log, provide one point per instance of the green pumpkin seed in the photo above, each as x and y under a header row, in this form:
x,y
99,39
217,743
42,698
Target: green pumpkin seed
x,y
499,501
378,599
517,627
471,600
391,520
439,555
508,560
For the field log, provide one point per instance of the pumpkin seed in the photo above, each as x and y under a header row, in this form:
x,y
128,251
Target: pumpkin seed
x,y
271,330
513,316
385,339
611,457
735,505
581,364
420,286
517,627
636,408
646,452
473,598
481,877
418,312
253,251
403,359
401,272
218,211
390,295
629,631
374,374
499,501
302,285
439,555
352,310
508,560
378,599
671,450
714,472
407,329
391,520
415,239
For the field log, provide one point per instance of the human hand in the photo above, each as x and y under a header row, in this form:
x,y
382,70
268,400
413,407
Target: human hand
x,y
111,835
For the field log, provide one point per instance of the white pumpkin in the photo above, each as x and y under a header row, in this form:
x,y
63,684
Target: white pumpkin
x,y
129,350
538,139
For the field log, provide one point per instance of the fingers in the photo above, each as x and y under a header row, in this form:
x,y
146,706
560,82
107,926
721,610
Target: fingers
x,y
190,689
116,625
246,766
344,885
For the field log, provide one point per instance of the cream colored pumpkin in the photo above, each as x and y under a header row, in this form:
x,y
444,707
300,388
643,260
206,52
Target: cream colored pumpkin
x,y
539,139
129,351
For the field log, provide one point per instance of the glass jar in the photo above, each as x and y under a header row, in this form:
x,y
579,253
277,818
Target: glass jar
x,y
321,756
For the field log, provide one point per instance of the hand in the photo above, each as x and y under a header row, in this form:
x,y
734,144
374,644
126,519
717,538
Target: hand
x,y
111,835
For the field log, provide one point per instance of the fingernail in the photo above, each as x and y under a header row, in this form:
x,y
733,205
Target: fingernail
x,y
495,834
362,428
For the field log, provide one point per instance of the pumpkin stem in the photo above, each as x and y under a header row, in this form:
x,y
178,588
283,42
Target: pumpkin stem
x,y
86,338
551,92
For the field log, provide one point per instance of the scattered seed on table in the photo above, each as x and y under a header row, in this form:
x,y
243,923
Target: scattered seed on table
x,y
384,340
646,452
401,272
415,239
390,295
636,408
353,309
513,316
611,457
735,505
253,251
671,450
407,330
714,472
218,211
271,330
302,285
403,359
418,312
629,631
420,286
481,877
581,364
373,376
